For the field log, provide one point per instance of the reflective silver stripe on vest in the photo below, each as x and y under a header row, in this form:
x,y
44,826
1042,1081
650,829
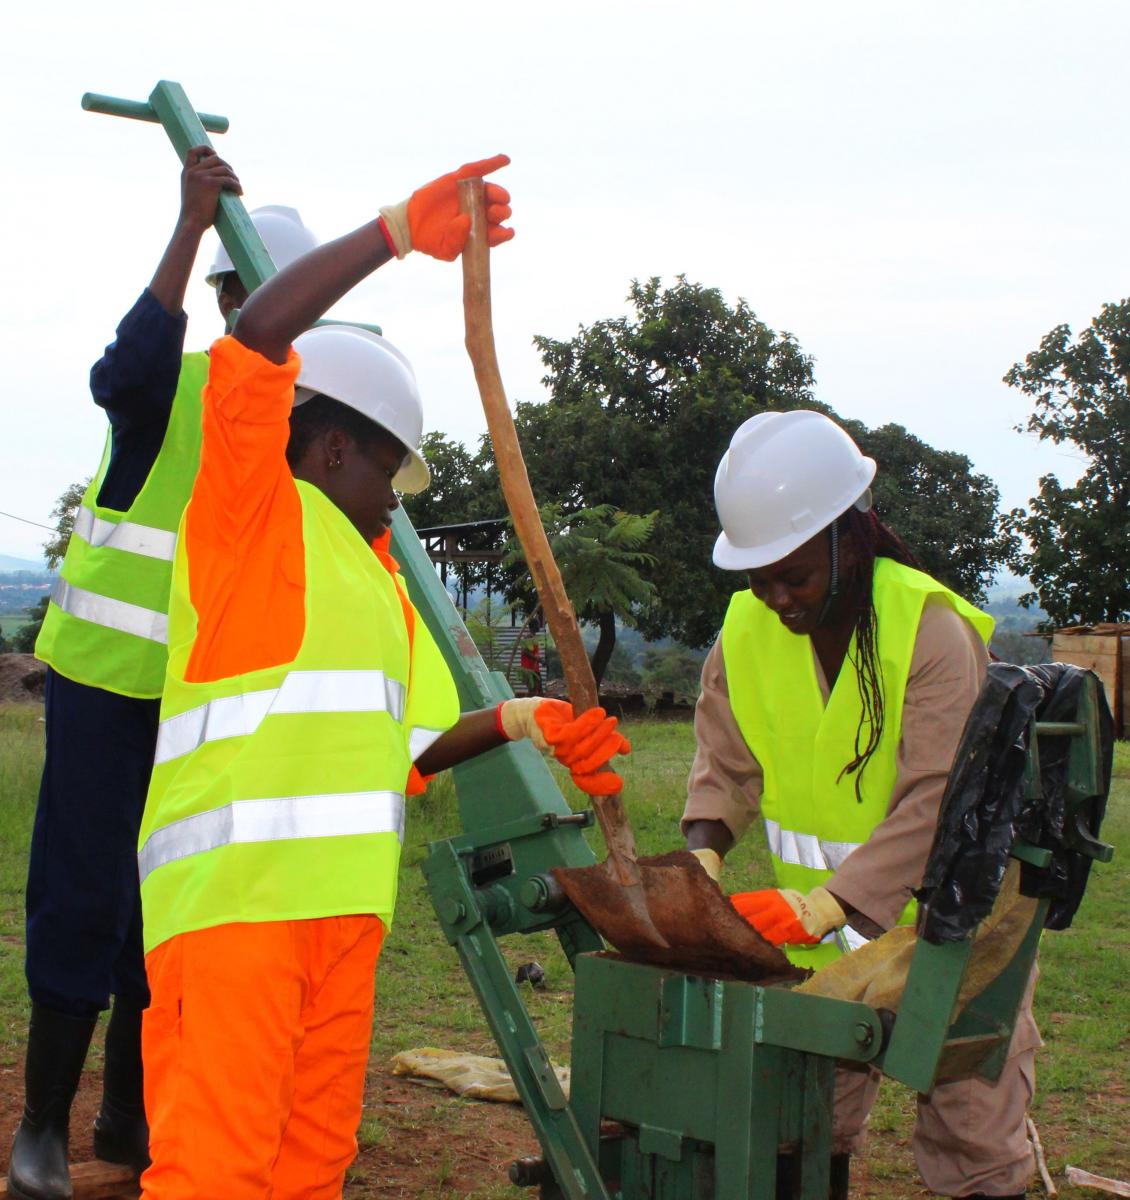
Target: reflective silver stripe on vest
x,y
113,614
806,849
125,535
299,692
420,739
277,820
846,938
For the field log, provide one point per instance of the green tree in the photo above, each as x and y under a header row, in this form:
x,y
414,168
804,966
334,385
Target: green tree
x,y
55,548
463,489
672,668
622,668
1015,646
23,640
944,511
1079,536
453,495
599,553
641,409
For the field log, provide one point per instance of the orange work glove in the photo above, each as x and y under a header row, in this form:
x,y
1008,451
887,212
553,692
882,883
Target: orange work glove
x,y
430,220
784,916
584,744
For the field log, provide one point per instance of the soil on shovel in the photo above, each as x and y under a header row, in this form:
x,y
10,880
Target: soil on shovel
x,y
704,933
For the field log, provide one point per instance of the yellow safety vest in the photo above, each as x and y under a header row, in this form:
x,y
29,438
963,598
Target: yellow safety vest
x,y
279,794
813,820
107,625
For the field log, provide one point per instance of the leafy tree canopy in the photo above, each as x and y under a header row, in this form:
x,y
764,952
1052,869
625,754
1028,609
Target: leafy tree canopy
x,y
641,409
944,510
600,556
1079,536
23,640
55,548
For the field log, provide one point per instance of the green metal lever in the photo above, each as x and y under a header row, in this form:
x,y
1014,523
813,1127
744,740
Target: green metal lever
x,y
142,110
169,105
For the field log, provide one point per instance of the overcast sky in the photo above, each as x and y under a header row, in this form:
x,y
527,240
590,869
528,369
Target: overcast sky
x,y
918,192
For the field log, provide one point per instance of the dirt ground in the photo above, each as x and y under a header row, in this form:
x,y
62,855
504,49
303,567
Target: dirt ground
x,y
21,678
416,1141
422,1143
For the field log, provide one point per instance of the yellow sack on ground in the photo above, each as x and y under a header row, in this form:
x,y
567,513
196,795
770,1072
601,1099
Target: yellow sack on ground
x,y
469,1075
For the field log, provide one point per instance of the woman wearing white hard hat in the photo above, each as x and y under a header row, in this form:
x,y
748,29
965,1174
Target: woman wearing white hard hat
x,y
304,698
831,707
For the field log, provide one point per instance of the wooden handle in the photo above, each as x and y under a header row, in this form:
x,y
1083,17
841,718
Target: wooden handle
x,y
516,488
559,614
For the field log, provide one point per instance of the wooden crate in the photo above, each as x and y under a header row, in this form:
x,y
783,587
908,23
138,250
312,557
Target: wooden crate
x,y
1105,654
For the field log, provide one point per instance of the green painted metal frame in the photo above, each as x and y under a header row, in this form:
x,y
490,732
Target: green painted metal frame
x,y
493,879
710,1079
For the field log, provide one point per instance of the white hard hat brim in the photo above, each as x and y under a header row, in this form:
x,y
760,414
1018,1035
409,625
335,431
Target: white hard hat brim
x,y
413,476
730,557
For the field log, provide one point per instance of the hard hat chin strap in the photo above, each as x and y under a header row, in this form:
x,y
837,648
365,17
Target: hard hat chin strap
x,y
834,582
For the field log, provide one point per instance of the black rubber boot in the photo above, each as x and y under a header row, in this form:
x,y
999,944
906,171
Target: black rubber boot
x,y
838,1182
121,1133
56,1049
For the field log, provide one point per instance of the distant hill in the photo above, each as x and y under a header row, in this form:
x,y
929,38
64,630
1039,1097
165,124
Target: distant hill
x,y
9,564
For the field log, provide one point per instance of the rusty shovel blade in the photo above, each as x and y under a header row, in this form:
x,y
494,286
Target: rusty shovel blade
x,y
699,930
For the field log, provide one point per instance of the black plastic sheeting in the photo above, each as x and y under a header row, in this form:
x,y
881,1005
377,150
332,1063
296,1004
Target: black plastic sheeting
x,y
984,808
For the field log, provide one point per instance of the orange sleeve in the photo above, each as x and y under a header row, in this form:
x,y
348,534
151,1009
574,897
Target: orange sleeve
x,y
243,524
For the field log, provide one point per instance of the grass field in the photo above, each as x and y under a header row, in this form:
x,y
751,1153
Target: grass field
x,y
1083,1003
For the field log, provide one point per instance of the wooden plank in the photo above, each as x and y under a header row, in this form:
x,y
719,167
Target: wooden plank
x,y
97,1181
1101,655
1041,1161
1112,1187
1087,647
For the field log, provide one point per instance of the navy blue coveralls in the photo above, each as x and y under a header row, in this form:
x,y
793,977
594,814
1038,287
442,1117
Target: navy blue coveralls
x,y
83,902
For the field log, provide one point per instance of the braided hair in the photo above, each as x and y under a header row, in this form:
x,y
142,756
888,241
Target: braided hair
x,y
870,539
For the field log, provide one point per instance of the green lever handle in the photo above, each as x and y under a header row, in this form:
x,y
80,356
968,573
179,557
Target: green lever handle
x,y
142,110
169,106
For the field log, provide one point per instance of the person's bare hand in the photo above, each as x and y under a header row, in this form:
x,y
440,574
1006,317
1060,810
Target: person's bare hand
x,y
204,177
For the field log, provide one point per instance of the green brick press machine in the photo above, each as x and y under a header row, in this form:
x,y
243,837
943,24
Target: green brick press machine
x,y
708,1076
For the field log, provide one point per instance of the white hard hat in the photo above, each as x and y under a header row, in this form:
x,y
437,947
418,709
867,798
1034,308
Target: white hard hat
x,y
364,371
283,233
786,476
